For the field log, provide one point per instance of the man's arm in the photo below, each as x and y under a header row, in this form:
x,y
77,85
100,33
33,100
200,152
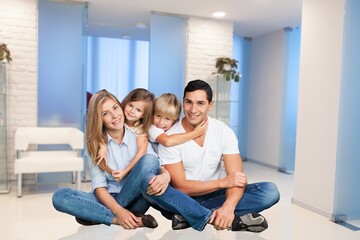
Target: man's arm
x,y
190,187
197,188
225,214
233,164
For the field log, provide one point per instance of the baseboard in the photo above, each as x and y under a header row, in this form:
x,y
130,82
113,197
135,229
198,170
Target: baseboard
x,y
262,163
319,211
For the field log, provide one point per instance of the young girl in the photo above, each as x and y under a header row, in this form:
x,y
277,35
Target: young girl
x,y
167,112
138,110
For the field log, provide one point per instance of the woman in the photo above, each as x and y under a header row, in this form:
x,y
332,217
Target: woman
x,y
112,202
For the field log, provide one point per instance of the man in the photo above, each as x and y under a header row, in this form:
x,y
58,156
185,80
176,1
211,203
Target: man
x,y
194,167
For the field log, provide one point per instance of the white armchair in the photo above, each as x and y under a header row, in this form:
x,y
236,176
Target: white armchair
x,y
35,161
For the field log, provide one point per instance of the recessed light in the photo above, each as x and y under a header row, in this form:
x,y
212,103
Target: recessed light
x,y
218,14
140,25
125,36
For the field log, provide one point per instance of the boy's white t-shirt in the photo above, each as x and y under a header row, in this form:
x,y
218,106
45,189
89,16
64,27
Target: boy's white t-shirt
x,y
153,133
201,163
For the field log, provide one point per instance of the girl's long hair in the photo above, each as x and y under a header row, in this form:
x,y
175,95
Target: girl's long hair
x,y
141,94
95,129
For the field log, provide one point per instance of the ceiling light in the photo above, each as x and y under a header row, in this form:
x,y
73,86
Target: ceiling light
x,y
140,25
218,14
125,36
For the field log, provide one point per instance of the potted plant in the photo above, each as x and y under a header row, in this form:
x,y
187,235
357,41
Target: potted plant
x,y
5,53
228,68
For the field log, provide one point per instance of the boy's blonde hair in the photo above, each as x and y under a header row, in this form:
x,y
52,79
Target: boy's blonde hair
x,y
169,105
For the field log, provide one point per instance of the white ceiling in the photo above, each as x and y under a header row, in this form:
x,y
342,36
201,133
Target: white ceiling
x,y
116,18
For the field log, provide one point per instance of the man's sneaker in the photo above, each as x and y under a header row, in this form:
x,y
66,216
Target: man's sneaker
x,y
178,222
252,222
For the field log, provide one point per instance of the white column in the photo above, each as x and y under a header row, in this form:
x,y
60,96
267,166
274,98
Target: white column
x,y
318,104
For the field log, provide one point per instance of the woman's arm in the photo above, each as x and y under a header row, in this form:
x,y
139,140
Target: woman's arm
x,y
123,217
178,138
141,142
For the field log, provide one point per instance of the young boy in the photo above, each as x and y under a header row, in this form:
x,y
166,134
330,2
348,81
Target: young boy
x,y
167,112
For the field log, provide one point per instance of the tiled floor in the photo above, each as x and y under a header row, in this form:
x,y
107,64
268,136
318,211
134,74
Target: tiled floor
x,y
33,217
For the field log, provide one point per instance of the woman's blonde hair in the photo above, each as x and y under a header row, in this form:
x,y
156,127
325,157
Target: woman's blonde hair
x,y
169,105
141,94
95,129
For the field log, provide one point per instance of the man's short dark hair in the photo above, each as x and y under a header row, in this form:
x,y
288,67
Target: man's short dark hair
x,y
199,85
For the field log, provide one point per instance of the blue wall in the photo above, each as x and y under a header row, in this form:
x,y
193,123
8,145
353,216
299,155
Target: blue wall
x,y
239,91
167,55
290,100
347,190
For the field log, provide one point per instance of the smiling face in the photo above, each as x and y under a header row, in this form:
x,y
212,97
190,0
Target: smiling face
x,y
196,107
134,111
112,115
162,121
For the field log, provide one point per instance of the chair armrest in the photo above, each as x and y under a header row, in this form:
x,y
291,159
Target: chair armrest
x,y
76,140
21,140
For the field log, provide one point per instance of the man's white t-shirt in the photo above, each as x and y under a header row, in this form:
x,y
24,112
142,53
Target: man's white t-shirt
x,y
201,163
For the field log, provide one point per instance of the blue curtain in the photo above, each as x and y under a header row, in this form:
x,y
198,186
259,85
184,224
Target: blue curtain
x,y
61,89
117,65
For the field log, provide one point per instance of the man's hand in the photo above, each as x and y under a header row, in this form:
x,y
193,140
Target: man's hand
x,y
224,216
158,184
235,179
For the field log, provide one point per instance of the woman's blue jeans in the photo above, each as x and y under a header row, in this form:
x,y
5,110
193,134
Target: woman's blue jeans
x,y
133,197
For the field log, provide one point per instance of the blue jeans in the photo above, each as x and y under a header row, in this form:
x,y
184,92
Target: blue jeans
x,y
133,197
257,197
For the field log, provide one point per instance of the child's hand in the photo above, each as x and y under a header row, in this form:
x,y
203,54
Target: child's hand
x,y
118,175
200,129
102,153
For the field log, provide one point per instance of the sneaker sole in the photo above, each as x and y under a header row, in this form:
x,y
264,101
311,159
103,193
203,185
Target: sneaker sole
x,y
252,222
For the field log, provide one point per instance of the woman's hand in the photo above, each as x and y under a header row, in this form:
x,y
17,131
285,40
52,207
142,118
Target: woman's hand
x,y
126,219
159,183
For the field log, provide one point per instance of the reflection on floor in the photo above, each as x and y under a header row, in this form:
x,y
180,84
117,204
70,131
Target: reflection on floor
x,y
33,217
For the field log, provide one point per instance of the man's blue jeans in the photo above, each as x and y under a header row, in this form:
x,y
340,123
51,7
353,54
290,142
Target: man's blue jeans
x,y
132,197
257,197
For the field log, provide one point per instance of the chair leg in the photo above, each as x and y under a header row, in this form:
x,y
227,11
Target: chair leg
x,y
73,177
78,180
19,185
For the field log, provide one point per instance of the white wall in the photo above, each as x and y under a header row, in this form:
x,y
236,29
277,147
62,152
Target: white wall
x,y
318,105
19,30
207,39
266,78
